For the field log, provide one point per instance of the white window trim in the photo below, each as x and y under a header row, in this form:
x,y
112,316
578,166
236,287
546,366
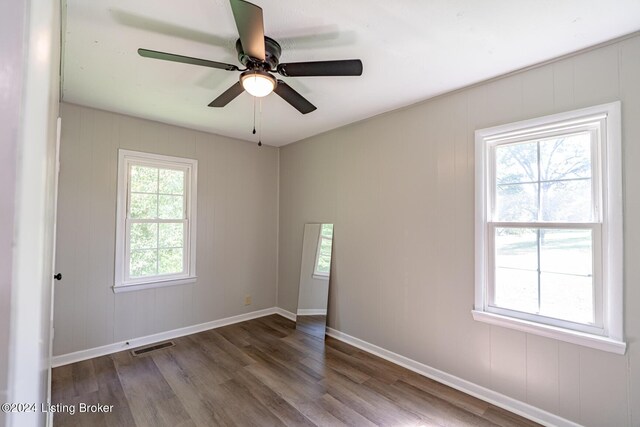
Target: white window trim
x,y
611,339
316,274
120,282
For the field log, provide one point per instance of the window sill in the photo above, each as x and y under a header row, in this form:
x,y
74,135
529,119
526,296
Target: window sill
x,y
155,284
320,277
594,341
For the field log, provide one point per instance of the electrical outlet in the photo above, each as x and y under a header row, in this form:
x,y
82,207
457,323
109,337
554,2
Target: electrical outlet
x,y
247,300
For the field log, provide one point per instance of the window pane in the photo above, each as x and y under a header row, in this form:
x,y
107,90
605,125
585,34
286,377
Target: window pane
x,y
144,236
327,230
325,246
566,201
567,157
566,251
144,179
171,207
517,163
170,261
143,206
324,266
517,248
171,235
171,181
143,263
324,256
517,202
567,297
516,290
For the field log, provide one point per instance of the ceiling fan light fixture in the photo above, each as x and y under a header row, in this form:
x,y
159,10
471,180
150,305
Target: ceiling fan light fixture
x,y
261,57
258,83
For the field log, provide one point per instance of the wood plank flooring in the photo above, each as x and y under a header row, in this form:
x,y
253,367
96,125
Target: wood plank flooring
x,y
315,325
262,372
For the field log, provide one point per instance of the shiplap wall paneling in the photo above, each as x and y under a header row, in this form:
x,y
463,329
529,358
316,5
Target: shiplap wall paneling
x,y
237,231
400,190
629,60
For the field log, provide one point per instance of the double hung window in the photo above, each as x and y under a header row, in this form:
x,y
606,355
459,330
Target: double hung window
x,y
549,226
155,240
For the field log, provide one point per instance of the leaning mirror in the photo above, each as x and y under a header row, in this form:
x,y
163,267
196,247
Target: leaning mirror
x,y
315,270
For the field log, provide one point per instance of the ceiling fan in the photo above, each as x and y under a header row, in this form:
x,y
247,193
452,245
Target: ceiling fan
x,y
260,55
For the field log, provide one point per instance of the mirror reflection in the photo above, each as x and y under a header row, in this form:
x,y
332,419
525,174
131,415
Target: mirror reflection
x,y
315,270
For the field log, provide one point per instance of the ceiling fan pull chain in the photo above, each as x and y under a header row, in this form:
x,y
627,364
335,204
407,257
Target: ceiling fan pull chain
x,y
254,115
260,125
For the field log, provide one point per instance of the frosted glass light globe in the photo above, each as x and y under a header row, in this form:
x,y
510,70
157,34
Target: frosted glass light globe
x,y
258,83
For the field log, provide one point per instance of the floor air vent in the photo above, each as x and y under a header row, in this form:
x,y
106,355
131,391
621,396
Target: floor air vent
x,y
146,350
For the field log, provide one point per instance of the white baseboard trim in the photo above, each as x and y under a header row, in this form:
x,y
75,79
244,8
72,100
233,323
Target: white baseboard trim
x,y
498,399
312,312
284,313
66,359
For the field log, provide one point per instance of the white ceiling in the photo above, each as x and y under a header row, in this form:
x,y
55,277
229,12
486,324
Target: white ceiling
x,y
411,50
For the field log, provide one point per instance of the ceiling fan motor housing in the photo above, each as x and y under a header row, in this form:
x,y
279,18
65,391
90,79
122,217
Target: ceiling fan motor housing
x,y
272,51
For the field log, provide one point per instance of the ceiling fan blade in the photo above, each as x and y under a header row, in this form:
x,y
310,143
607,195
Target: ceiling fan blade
x,y
347,67
298,101
227,96
250,25
186,59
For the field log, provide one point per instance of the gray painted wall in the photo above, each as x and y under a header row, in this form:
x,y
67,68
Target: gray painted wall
x,y
400,190
313,292
237,230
